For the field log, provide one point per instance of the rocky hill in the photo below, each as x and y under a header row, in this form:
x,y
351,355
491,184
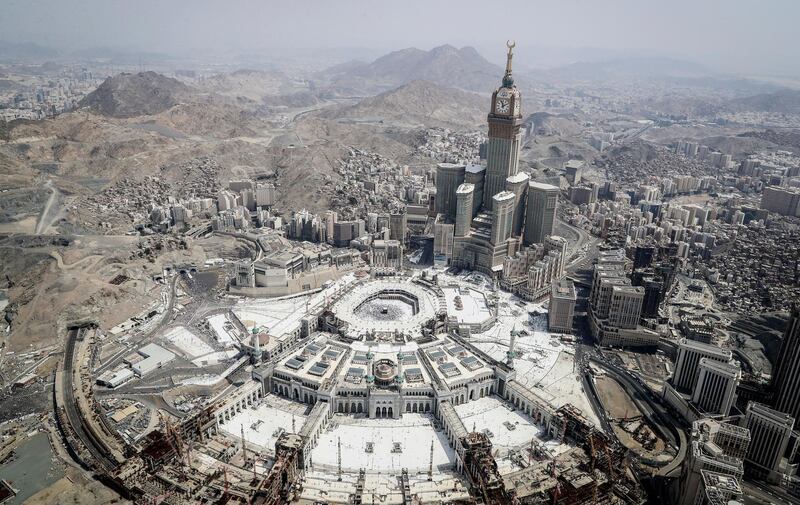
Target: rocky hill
x,y
130,95
420,102
251,85
545,123
444,65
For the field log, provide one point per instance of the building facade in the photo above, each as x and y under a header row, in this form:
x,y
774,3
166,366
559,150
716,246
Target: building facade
x,y
687,363
562,306
449,177
770,433
715,391
786,377
541,214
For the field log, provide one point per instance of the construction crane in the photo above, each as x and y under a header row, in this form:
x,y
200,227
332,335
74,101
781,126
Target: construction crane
x,y
175,440
610,466
556,492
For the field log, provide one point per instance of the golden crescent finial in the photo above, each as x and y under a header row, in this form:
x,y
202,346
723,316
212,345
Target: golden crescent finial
x,y
510,44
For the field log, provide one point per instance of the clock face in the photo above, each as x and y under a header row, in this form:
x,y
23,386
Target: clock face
x,y
502,106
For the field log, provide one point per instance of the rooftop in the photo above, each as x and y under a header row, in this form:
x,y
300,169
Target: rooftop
x,y
542,187
465,188
564,288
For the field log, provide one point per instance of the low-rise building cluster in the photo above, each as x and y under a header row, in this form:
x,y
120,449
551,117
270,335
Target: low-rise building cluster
x,y
443,144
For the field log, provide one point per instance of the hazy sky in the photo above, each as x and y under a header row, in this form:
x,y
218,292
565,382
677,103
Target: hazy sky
x,y
742,35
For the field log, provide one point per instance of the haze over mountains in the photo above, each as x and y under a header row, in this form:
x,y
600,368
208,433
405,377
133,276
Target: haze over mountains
x,y
445,65
422,102
391,87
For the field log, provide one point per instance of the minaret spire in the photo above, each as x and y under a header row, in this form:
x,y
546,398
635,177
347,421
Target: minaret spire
x,y
508,80
510,354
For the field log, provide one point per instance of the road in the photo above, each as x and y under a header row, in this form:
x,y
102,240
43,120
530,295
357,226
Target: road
x,y
44,219
94,446
756,493
588,387
584,241
667,426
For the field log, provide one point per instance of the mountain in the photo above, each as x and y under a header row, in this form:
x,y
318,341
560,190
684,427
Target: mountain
x,y
444,65
785,101
252,85
130,95
545,123
420,102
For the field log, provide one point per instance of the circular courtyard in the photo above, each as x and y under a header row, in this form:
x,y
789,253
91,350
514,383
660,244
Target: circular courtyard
x,y
385,308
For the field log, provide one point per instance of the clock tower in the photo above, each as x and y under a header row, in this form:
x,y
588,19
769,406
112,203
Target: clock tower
x,y
505,119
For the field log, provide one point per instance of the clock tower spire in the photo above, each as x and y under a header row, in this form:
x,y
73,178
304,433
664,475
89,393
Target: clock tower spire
x,y
508,80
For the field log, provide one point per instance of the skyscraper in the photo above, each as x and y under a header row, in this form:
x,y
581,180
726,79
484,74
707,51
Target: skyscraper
x,y
475,174
442,243
449,177
492,234
562,306
715,391
770,432
503,221
518,184
464,195
688,361
786,376
541,215
505,120
626,306
398,226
